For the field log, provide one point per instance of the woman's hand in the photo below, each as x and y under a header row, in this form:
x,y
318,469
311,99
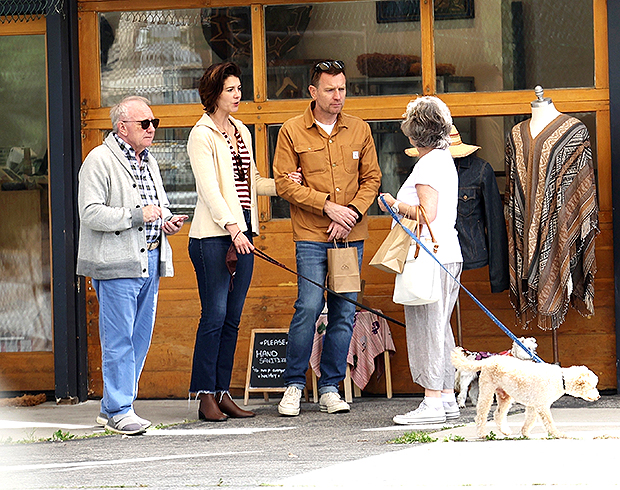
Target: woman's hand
x,y
296,176
242,242
389,199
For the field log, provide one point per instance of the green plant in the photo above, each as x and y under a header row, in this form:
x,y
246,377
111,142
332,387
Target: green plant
x,y
454,438
491,436
413,438
59,435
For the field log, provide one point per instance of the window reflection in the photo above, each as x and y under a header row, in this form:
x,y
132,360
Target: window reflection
x,y
516,45
25,274
380,58
162,54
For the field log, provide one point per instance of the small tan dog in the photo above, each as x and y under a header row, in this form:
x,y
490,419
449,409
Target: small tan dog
x,y
535,385
466,382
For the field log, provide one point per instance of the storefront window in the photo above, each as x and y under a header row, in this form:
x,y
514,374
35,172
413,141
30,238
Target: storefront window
x,y
170,149
516,45
162,54
25,276
381,57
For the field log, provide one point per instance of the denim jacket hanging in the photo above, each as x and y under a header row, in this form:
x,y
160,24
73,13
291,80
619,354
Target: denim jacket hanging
x,y
480,221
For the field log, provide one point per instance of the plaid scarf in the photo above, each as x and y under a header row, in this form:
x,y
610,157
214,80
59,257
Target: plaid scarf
x,y
145,184
552,217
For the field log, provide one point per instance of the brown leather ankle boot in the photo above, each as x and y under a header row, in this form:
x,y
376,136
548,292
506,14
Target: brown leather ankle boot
x,y
208,409
229,407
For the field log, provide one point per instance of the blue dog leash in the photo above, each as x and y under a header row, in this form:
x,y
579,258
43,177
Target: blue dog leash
x,y
484,308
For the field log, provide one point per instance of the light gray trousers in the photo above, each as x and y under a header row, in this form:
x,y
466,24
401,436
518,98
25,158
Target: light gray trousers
x,y
429,335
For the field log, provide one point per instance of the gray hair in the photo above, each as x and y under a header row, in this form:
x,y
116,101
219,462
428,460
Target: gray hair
x,y
118,112
427,123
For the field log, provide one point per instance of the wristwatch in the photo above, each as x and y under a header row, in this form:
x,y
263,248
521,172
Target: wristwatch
x,y
395,207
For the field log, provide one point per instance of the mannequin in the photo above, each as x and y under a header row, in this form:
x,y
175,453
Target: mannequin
x,y
552,215
543,112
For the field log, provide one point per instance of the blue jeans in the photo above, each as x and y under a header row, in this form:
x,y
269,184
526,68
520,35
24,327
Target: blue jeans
x,y
216,338
127,310
312,263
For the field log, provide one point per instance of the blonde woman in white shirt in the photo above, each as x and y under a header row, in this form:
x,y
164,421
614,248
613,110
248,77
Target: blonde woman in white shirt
x,y
433,184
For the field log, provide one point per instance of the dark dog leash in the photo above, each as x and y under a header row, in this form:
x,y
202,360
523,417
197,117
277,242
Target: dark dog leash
x,y
484,308
264,256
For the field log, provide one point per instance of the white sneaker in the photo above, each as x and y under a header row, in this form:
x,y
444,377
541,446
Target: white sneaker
x,y
451,409
332,403
289,405
422,415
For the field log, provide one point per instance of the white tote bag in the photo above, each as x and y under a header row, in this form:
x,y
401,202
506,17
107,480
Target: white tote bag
x,y
420,282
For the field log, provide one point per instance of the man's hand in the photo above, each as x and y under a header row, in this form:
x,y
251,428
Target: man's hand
x,y
337,232
342,215
174,224
151,213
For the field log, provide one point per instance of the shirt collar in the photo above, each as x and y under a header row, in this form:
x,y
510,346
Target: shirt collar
x,y
129,151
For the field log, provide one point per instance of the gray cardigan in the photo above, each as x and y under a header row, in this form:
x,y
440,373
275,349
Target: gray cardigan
x,y
112,241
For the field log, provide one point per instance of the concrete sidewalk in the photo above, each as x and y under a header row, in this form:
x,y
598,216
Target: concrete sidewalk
x,y
41,422
313,450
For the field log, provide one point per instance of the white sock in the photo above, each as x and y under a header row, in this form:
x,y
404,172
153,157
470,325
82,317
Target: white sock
x,y
448,397
433,402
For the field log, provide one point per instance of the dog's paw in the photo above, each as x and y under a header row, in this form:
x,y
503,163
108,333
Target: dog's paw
x,y
505,429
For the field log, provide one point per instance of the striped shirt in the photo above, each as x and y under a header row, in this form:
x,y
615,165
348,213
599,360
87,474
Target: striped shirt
x,y
242,172
145,184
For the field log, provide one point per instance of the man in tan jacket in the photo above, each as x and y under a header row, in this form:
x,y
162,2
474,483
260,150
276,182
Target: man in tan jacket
x,y
341,178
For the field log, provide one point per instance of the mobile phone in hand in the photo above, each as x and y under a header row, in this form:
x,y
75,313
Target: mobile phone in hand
x,y
178,219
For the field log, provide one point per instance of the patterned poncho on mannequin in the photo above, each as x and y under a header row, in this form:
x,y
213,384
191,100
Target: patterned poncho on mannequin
x,y
552,216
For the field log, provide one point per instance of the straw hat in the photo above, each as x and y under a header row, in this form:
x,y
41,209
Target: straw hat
x,y
457,148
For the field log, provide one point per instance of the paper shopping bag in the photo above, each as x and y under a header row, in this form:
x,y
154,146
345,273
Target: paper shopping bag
x,y
392,253
343,269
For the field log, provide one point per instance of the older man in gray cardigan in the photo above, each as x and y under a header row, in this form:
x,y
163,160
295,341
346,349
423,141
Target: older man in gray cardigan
x,y
124,220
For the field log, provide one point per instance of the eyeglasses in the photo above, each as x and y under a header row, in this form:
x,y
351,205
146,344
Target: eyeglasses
x,y
326,65
146,123
239,167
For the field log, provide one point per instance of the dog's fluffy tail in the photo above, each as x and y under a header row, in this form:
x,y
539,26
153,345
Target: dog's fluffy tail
x,y
461,361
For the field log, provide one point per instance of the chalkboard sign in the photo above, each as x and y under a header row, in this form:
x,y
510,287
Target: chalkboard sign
x,y
266,361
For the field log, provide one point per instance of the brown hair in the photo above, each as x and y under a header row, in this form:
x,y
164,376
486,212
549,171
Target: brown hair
x,y
334,68
212,83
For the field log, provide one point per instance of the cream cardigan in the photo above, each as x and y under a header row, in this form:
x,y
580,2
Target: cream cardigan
x,y
212,165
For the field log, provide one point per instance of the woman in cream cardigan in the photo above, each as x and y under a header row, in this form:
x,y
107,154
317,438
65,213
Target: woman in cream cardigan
x,y
227,183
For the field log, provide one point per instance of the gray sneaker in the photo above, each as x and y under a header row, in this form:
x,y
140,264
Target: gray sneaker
x,y
289,405
127,424
102,420
422,415
332,403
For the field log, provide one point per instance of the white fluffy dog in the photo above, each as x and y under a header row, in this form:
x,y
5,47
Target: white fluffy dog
x,y
466,382
535,385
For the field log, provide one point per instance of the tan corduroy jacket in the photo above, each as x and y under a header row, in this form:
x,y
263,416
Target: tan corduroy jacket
x,y
211,161
342,166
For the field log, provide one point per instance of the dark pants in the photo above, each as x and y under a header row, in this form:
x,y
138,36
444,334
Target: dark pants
x,y
216,338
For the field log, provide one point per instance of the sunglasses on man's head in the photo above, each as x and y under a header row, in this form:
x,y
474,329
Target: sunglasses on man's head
x,y
326,65
145,123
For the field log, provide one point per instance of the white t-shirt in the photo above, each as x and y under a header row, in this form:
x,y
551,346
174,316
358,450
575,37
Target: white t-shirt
x,y
437,170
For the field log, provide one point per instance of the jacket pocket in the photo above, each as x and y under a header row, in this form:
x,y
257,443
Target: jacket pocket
x,y
351,157
312,158
469,200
